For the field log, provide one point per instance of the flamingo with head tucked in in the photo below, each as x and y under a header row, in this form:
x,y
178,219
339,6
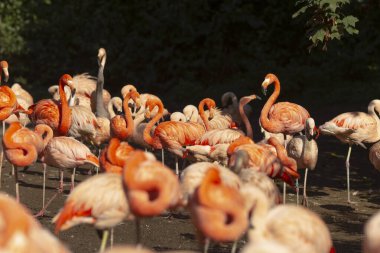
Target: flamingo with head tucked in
x,y
355,128
218,210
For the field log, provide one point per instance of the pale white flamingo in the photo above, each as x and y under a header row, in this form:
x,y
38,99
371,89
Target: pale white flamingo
x,y
304,149
178,116
374,155
21,233
218,119
355,128
265,247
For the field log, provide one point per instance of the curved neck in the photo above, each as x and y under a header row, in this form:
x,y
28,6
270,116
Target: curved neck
x,y
247,124
202,113
65,113
100,110
45,132
264,120
147,137
128,115
282,154
110,109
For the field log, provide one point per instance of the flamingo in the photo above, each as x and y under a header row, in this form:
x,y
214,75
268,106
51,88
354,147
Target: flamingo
x,y
54,114
295,227
22,147
282,117
4,68
304,149
63,153
371,242
251,177
24,99
178,116
191,114
99,200
231,107
20,232
262,158
192,175
218,210
113,157
170,135
124,127
218,119
150,186
355,128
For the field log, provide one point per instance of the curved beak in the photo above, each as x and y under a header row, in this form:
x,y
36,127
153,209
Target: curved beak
x,y
264,86
71,85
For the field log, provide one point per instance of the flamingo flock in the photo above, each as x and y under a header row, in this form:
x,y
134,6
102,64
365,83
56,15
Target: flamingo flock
x,y
228,188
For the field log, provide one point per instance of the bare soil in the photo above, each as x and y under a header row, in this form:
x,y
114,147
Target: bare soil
x,y
326,190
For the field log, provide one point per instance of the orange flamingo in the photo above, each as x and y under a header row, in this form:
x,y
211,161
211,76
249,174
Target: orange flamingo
x,y
282,117
4,68
355,128
22,147
113,157
218,210
20,232
124,127
262,158
63,153
54,114
170,135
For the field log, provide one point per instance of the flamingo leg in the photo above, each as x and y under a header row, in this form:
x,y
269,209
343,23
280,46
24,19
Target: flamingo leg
x,y
16,184
176,166
104,240
207,245
60,188
234,246
163,156
13,171
298,192
111,238
138,231
72,180
304,199
42,211
284,194
348,174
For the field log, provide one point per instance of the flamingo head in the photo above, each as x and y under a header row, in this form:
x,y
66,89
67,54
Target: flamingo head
x,y
150,104
101,57
245,100
269,79
66,79
126,89
238,161
4,66
311,130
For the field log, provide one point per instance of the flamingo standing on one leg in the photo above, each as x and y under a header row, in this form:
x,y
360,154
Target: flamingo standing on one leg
x,y
218,210
21,233
355,128
54,114
282,117
304,149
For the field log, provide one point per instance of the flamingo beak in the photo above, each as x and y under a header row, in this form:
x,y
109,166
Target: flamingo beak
x,y
317,132
264,86
264,90
71,85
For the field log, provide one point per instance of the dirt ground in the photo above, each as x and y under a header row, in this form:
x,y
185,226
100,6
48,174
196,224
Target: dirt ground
x,y
326,190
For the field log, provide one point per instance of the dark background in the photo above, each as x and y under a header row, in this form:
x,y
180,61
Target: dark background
x,y
186,50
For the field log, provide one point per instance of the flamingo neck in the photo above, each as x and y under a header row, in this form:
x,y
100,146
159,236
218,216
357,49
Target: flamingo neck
x,y
247,124
203,115
155,143
45,132
128,116
282,154
65,113
100,110
264,120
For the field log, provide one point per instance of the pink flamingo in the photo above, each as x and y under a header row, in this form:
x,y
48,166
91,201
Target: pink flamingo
x,y
374,155
54,114
282,117
113,157
355,128
218,119
20,232
63,153
214,203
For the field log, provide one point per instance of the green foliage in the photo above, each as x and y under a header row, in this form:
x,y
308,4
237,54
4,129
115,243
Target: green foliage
x,y
326,21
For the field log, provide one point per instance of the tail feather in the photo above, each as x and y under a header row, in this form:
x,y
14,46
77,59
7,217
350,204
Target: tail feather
x,y
67,214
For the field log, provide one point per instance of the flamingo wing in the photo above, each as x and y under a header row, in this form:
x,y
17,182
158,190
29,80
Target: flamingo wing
x,y
291,116
46,111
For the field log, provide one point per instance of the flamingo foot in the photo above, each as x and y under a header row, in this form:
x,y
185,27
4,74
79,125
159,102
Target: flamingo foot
x,y
305,202
40,213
